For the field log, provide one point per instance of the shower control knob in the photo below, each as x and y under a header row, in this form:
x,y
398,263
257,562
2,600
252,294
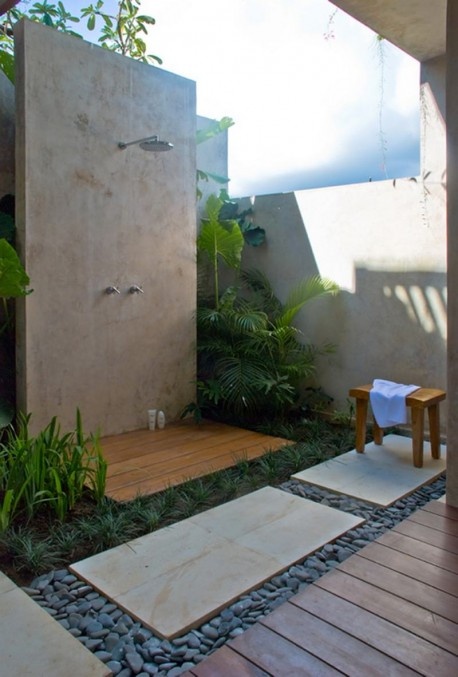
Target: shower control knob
x,y
112,290
135,289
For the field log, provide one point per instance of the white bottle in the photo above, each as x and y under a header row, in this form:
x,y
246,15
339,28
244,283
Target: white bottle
x,y
152,418
160,420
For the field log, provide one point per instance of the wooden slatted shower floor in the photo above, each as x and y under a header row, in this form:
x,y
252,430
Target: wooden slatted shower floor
x,y
390,609
146,462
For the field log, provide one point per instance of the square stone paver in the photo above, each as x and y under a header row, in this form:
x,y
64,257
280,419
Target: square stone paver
x,y
32,644
178,577
382,475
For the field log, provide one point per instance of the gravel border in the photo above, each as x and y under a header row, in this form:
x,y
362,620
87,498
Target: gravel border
x,y
129,649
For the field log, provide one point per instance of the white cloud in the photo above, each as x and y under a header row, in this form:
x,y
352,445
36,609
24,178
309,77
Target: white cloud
x,y
299,101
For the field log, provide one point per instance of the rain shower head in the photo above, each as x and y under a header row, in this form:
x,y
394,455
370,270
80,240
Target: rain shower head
x,y
151,143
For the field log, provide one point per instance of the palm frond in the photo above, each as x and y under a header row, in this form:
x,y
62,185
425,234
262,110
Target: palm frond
x,y
263,294
307,290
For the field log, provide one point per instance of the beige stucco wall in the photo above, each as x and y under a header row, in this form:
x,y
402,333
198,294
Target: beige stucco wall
x,y
385,246
6,135
433,141
91,215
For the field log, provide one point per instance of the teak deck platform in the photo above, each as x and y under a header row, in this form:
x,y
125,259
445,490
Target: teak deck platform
x,y
390,609
146,462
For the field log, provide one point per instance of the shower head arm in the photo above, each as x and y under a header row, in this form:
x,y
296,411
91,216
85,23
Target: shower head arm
x,y
123,145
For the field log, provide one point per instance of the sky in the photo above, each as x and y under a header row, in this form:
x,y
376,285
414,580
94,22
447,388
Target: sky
x,y
315,102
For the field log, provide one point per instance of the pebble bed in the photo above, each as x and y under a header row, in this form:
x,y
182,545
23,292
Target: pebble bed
x,y
129,649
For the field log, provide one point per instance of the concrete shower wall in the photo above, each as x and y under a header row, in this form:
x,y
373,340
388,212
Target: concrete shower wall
x,y
92,216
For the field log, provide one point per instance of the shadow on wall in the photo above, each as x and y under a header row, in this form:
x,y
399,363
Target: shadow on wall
x,y
392,327
287,255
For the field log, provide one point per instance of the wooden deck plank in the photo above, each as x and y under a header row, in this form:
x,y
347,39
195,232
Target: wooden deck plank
x,y
148,441
411,566
390,609
405,587
443,509
420,550
405,614
146,462
275,654
439,522
330,644
428,535
186,455
390,639
182,469
227,663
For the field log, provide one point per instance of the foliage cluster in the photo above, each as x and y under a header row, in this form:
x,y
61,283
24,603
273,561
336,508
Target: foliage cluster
x,y
47,472
252,361
122,32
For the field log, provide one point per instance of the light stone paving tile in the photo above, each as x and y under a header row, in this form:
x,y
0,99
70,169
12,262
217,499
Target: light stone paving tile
x,y
443,499
185,597
382,475
128,566
6,583
177,577
32,644
286,538
241,516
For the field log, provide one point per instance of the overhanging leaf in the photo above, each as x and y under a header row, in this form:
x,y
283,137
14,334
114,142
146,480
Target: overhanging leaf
x,y
7,65
215,128
255,236
216,240
13,278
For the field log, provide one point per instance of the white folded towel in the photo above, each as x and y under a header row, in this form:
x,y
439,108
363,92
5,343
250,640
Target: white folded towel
x,y
388,402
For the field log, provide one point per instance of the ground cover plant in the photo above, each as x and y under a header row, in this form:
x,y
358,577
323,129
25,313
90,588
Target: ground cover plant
x,y
30,546
47,473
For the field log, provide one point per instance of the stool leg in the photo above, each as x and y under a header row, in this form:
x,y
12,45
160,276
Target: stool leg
x,y
417,435
361,416
377,433
434,430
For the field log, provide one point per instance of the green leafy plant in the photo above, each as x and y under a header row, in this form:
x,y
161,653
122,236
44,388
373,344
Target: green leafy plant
x,y
213,129
49,471
230,211
13,284
219,240
122,32
252,362
31,551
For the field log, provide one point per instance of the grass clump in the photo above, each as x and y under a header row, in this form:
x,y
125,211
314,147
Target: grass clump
x,y
48,472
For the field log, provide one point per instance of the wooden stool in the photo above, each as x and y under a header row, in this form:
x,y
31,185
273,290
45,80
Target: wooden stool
x,y
418,401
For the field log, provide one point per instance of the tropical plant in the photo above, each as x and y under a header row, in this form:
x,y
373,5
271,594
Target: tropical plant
x,y
121,32
213,129
50,470
252,362
13,284
252,234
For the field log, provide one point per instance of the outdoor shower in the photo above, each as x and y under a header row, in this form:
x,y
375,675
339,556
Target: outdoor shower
x,y
152,143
